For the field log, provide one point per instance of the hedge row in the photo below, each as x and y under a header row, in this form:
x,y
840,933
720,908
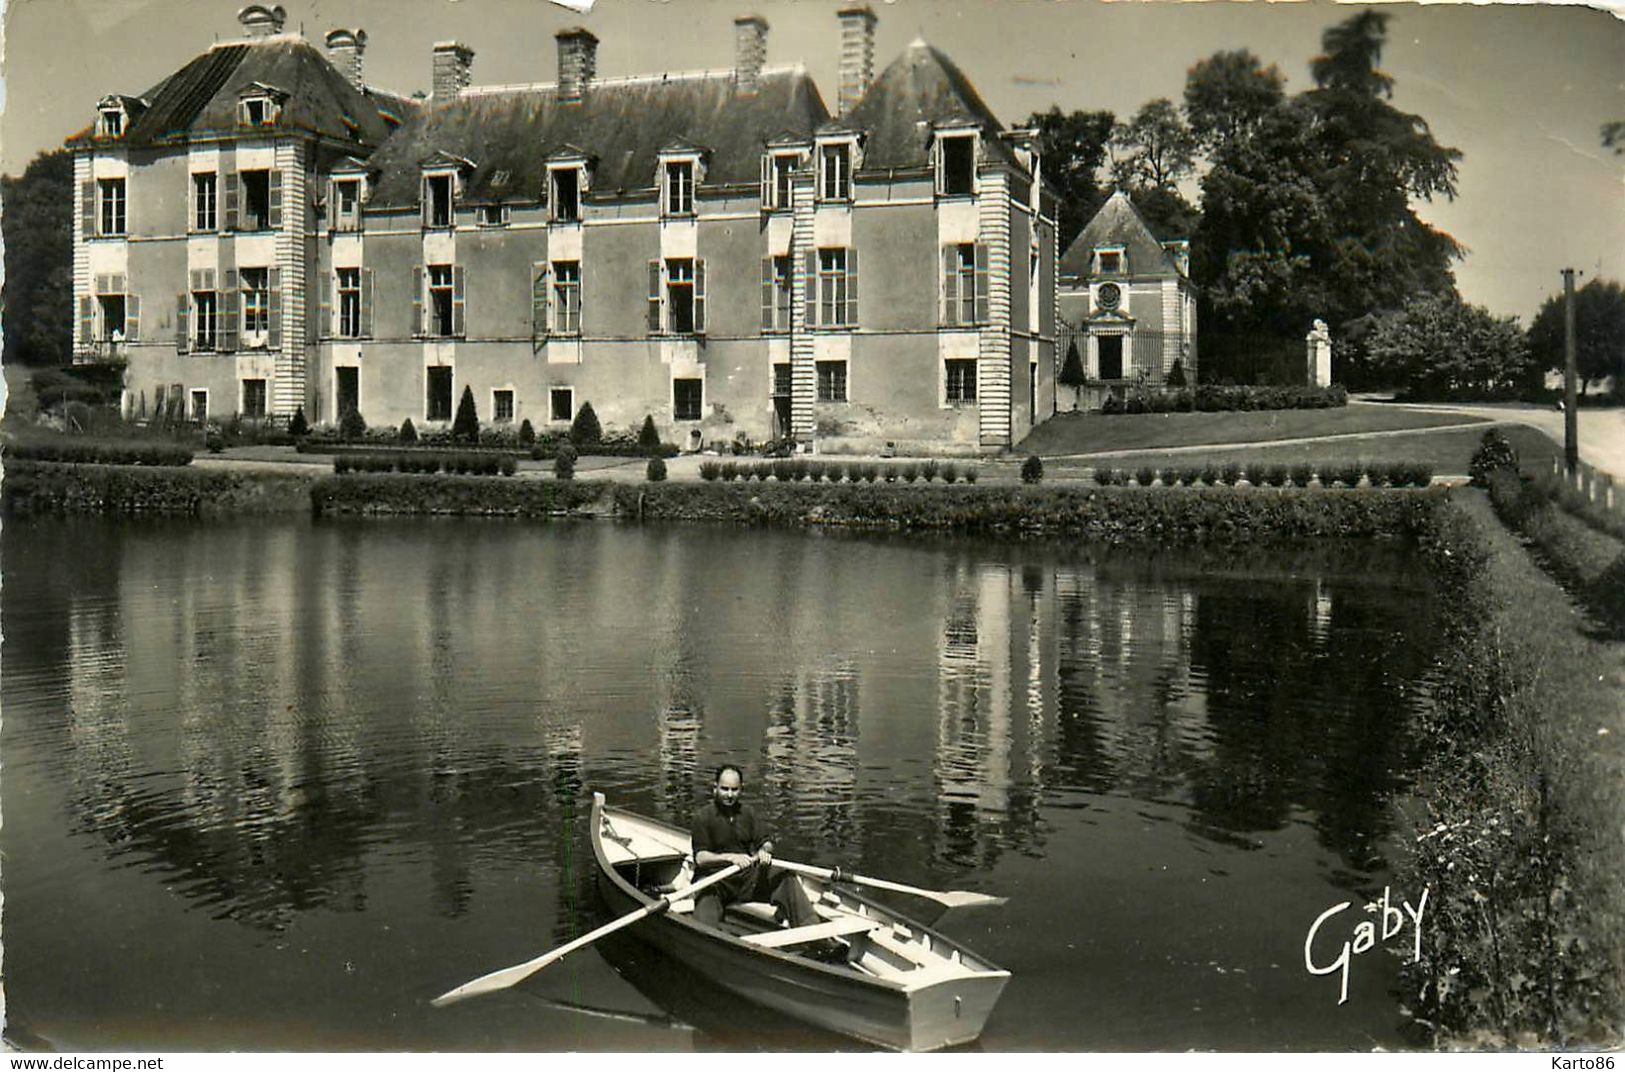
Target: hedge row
x,y
99,451
789,470
424,462
1520,793
395,493
1213,398
1301,475
43,487
1590,563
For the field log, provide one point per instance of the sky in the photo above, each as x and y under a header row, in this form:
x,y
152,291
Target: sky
x,y
1522,90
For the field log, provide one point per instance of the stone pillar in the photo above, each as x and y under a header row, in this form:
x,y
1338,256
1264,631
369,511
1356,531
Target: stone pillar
x,y
1319,355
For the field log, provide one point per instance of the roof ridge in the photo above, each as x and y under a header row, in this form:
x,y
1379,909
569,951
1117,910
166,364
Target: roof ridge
x,y
628,80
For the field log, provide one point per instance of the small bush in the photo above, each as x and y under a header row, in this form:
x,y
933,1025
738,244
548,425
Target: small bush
x,y
1176,375
949,472
710,470
1032,470
1494,452
1112,405
929,470
585,430
527,434
970,475
1105,476
351,426
465,427
1231,473
728,471
655,470
911,473
1347,474
648,435
1276,476
408,433
1302,473
870,471
1145,476
564,462
298,426
1211,475
1190,476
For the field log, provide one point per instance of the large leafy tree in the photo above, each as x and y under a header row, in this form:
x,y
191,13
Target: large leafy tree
x,y
38,296
1073,145
1438,346
1599,326
1155,150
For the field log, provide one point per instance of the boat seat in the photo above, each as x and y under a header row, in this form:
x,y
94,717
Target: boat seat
x,y
835,928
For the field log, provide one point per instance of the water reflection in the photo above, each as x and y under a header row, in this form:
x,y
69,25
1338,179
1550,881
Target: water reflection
x,y
273,717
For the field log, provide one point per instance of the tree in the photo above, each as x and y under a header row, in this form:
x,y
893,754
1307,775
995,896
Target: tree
x,y
1155,149
38,293
585,429
1438,346
1599,325
465,427
1072,371
1227,97
1073,146
649,435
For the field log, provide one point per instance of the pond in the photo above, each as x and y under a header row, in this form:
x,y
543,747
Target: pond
x,y
274,785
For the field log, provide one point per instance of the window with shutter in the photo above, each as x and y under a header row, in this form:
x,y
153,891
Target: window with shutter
x,y
567,297
183,305
538,300
982,311
699,295
459,301
273,306
654,297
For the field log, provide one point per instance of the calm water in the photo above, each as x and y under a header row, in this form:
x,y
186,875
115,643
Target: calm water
x,y
274,785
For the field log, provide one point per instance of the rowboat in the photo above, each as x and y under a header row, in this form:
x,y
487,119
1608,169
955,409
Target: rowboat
x,y
896,983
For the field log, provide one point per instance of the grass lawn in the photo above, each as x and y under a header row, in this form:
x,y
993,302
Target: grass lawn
x,y
1082,433
1447,450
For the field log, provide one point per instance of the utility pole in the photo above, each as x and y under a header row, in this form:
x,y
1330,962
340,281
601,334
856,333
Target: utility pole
x,y
1571,406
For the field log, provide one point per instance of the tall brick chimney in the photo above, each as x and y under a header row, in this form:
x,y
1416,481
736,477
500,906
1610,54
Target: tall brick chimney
x,y
578,62
260,21
750,53
453,68
344,49
857,54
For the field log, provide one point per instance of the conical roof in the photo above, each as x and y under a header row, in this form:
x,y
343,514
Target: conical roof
x,y
919,90
1118,223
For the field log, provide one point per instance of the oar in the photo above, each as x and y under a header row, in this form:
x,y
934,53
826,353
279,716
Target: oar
x,y
506,977
947,898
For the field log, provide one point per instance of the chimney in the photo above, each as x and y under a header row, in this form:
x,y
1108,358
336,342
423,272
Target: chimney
x,y
453,68
260,21
344,49
750,53
578,62
857,54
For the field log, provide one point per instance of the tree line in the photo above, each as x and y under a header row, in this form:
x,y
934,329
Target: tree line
x,y
1306,212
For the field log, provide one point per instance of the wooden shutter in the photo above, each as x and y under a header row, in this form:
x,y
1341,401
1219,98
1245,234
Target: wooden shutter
x,y
132,317
654,297
767,294
324,316
183,304
981,283
459,284
699,295
767,186
950,284
87,207
233,197
366,302
275,197
852,287
274,281
418,327
425,201
809,272
226,314
538,300
87,320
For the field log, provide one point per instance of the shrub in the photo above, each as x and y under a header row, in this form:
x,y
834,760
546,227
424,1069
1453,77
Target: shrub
x,y
1211,476
970,475
870,472
911,473
710,470
527,434
815,473
298,426
351,426
508,464
465,427
564,462
948,471
1176,375
408,434
648,435
1032,470
1105,476
1191,476
655,470
1231,473
1113,404
728,471
1276,475
1302,473
1145,476
1494,452
1347,474
585,429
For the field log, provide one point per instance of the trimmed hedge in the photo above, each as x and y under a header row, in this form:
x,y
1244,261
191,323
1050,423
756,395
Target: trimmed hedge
x,y
1215,398
397,493
33,487
77,451
425,462
1588,562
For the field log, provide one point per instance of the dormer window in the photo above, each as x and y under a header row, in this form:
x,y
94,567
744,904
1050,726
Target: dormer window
x,y
492,215
259,111
1110,261
678,180
112,123
956,165
778,169
347,204
835,171
564,195
437,195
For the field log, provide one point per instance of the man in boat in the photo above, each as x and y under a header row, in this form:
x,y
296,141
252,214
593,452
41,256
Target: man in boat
x,y
726,831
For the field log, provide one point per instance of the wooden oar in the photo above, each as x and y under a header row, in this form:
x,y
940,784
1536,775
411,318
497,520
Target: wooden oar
x,y
948,898
506,977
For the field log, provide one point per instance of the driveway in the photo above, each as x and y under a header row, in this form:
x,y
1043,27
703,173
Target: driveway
x,y
1602,431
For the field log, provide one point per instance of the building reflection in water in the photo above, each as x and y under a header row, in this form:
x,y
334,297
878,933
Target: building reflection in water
x,y
810,759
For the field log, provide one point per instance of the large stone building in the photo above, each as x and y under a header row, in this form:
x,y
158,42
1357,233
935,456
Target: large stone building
x,y
263,231
1127,304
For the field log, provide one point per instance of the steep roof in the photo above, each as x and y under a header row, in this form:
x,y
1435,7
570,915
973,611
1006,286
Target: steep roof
x,y
1119,223
201,97
622,124
920,89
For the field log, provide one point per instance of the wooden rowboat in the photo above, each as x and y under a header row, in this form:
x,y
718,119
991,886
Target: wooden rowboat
x,y
896,984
